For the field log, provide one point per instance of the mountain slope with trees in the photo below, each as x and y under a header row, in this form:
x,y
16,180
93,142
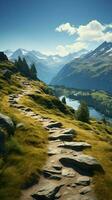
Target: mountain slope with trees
x,y
92,71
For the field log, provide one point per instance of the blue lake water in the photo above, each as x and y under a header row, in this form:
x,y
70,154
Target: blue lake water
x,y
93,112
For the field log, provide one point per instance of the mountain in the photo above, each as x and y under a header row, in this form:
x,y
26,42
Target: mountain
x,y
47,66
92,71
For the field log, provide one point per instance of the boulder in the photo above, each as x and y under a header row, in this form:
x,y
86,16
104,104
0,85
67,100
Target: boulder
x,y
83,163
48,191
7,123
77,146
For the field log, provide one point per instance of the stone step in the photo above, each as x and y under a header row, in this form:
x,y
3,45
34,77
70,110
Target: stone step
x,y
48,191
63,137
77,146
84,164
53,124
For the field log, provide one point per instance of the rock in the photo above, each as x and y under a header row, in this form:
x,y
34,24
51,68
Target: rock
x,y
77,146
6,74
68,172
53,124
55,151
3,57
7,123
68,131
82,163
83,180
28,109
85,190
58,195
48,172
55,177
63,137
57,167
48,191
38,91
20,125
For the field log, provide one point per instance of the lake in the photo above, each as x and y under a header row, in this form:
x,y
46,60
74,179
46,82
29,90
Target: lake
x,y
93,112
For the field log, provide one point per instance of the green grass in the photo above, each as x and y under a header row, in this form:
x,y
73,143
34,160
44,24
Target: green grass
x,y
26,150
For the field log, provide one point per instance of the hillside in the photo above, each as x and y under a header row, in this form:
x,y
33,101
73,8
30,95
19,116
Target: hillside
x,y
92,71
31,121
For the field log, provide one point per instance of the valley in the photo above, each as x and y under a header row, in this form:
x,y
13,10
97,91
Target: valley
x,y
55,100
32,122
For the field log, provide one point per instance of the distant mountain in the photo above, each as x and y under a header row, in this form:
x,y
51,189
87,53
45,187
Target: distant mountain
x,y
91,71
47,66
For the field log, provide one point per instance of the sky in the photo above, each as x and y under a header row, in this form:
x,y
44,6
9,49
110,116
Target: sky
x,y
55,26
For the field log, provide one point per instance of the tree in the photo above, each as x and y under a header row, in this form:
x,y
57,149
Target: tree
x,y
82,113
33,72
22,67
63,100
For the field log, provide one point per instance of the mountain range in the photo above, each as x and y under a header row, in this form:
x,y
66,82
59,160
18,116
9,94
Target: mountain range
x,y
91,71
47,66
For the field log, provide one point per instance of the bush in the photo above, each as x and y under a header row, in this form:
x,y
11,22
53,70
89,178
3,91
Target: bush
x,y
82,113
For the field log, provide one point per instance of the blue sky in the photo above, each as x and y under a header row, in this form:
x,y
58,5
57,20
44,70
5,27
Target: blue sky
x,y
45,24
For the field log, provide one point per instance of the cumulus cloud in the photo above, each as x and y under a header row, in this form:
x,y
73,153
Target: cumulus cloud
x,y
67,27
93,31
70,48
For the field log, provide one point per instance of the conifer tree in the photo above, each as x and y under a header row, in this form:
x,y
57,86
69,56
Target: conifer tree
x,y
64,100
82,113
33,72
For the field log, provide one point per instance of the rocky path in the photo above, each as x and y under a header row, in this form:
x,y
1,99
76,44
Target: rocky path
x,y
68,173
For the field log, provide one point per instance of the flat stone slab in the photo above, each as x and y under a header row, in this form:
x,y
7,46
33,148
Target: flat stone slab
x,y
63,137
48,191
77,146
49,172
68,131
83,180
53,124
82,163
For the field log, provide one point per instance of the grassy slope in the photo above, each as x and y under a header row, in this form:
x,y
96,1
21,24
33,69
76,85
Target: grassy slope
x,y
27,149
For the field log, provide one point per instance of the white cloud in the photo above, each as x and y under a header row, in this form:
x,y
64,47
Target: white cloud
x,y
86,36
70,48
93,31
70,29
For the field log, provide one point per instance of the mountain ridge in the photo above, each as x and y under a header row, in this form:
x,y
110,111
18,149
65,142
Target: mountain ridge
x,y
92,71
47,66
